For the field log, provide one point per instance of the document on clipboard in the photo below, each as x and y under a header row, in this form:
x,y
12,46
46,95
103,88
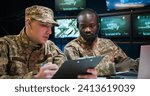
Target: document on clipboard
x,y
71,68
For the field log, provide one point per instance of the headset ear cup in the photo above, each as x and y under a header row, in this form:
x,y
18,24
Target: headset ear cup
x,y
77,24
98,29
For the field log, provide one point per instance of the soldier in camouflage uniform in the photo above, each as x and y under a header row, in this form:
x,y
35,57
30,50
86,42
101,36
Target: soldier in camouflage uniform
x,y
88,44
30,54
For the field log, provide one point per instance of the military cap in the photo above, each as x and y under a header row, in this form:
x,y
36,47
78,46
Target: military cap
x,y
40,13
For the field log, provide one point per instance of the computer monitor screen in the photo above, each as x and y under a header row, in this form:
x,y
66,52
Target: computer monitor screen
x,y
115,26
141,25
67,5
126,4
67,28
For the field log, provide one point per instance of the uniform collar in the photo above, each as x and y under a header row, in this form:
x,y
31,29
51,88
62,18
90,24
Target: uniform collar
x,y
81,40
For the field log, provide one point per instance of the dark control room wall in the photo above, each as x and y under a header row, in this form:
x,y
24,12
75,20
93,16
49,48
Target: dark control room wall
x,y
12,20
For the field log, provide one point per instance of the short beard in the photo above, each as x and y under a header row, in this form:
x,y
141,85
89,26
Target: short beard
x,y
89,38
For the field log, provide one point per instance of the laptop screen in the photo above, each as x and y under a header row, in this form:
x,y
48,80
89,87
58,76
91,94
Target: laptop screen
x,y
144,66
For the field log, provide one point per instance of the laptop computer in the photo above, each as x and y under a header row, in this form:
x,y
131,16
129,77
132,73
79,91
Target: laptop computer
x,y
144,65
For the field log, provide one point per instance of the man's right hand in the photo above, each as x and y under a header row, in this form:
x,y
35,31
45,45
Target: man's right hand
x,y
47,71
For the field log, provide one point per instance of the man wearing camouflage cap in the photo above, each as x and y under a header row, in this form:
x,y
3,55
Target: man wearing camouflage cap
x,y
30,54
88,44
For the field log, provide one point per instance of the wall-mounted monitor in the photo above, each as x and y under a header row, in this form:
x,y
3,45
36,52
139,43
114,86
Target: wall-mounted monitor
x,y
126,4
67,28
113,26
69,5
141,25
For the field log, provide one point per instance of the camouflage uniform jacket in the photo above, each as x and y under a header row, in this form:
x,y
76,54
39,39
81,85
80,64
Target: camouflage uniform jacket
x,y
113,55
21,58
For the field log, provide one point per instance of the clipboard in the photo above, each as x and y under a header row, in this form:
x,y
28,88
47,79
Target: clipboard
x,y
71,68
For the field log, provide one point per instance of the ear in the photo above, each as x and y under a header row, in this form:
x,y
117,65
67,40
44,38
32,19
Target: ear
x,y
28,23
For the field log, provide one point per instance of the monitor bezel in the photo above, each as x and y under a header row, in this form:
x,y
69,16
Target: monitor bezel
x,y
127,8
127,14
135,31
60,10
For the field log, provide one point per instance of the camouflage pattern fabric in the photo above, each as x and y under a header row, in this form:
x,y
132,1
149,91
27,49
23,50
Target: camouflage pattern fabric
x,y
114,56
21,58
40,13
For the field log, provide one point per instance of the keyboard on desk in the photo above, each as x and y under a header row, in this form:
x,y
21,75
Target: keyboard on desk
x,y
121,75
126,75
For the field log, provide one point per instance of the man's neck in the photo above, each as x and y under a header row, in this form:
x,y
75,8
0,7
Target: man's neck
x,y
90,45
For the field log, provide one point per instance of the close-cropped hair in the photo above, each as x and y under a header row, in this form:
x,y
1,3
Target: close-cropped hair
x,y
87,11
